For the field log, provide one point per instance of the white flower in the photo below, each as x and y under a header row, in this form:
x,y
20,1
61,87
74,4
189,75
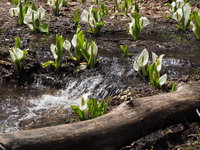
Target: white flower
x,y
144,22
83,102
74,41
183,13
53,50
93,49
162,79
32,15
14,11
142,60
157,61
16,53
176,5
67,45
85,16
52,3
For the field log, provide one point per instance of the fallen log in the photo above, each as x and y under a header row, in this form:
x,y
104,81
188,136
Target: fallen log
x,y
129,121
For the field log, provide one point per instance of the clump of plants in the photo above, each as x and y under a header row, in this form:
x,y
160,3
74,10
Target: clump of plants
x,y
19,12
82,49
181,11
57,51
150,70
89,109
195,24
141,64
33,19
137,23
154,72
17,55
56,5
94,17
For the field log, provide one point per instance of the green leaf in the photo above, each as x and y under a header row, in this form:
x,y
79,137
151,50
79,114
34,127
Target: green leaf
x,y
152,70
197,19
44,28
174,87
46,64
124,49
17,42
78,112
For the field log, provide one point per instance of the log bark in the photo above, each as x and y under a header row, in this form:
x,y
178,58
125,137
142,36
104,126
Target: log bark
x,y
129,121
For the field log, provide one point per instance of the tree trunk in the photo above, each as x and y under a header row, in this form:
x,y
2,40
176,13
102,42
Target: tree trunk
x,y
129,121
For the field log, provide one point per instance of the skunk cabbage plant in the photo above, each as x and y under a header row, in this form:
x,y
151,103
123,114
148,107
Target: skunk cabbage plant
x,y
83,49
56,5
182,16
17,55
176,5
90,54
195,24
89,109
154,72
33,19
95,19
141,64
79,43
57,51
137,23
19,11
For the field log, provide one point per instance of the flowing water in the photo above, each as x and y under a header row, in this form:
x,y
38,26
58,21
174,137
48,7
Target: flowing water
x,y
37,106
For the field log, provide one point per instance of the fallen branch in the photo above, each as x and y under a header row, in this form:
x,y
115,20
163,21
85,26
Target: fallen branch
x,y
129,121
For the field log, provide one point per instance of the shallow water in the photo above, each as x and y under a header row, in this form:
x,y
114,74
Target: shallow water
x,y
37,106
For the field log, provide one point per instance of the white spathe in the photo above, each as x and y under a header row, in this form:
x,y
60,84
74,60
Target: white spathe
x,y
74,40
67,45
32,15
85,16
52,3
144,21
14,11
162,79
158,61
183,12
93,48
176,5
142,60
16,53
53,50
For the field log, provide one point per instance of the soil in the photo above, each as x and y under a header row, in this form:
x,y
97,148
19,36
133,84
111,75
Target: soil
x,y
161,36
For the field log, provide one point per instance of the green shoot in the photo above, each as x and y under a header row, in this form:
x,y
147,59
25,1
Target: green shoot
x,y
20,12
89,109
137,23
174,87
195,24
125,50
182,16
76,17
56,5
57,51
17,55
95,18
141,64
